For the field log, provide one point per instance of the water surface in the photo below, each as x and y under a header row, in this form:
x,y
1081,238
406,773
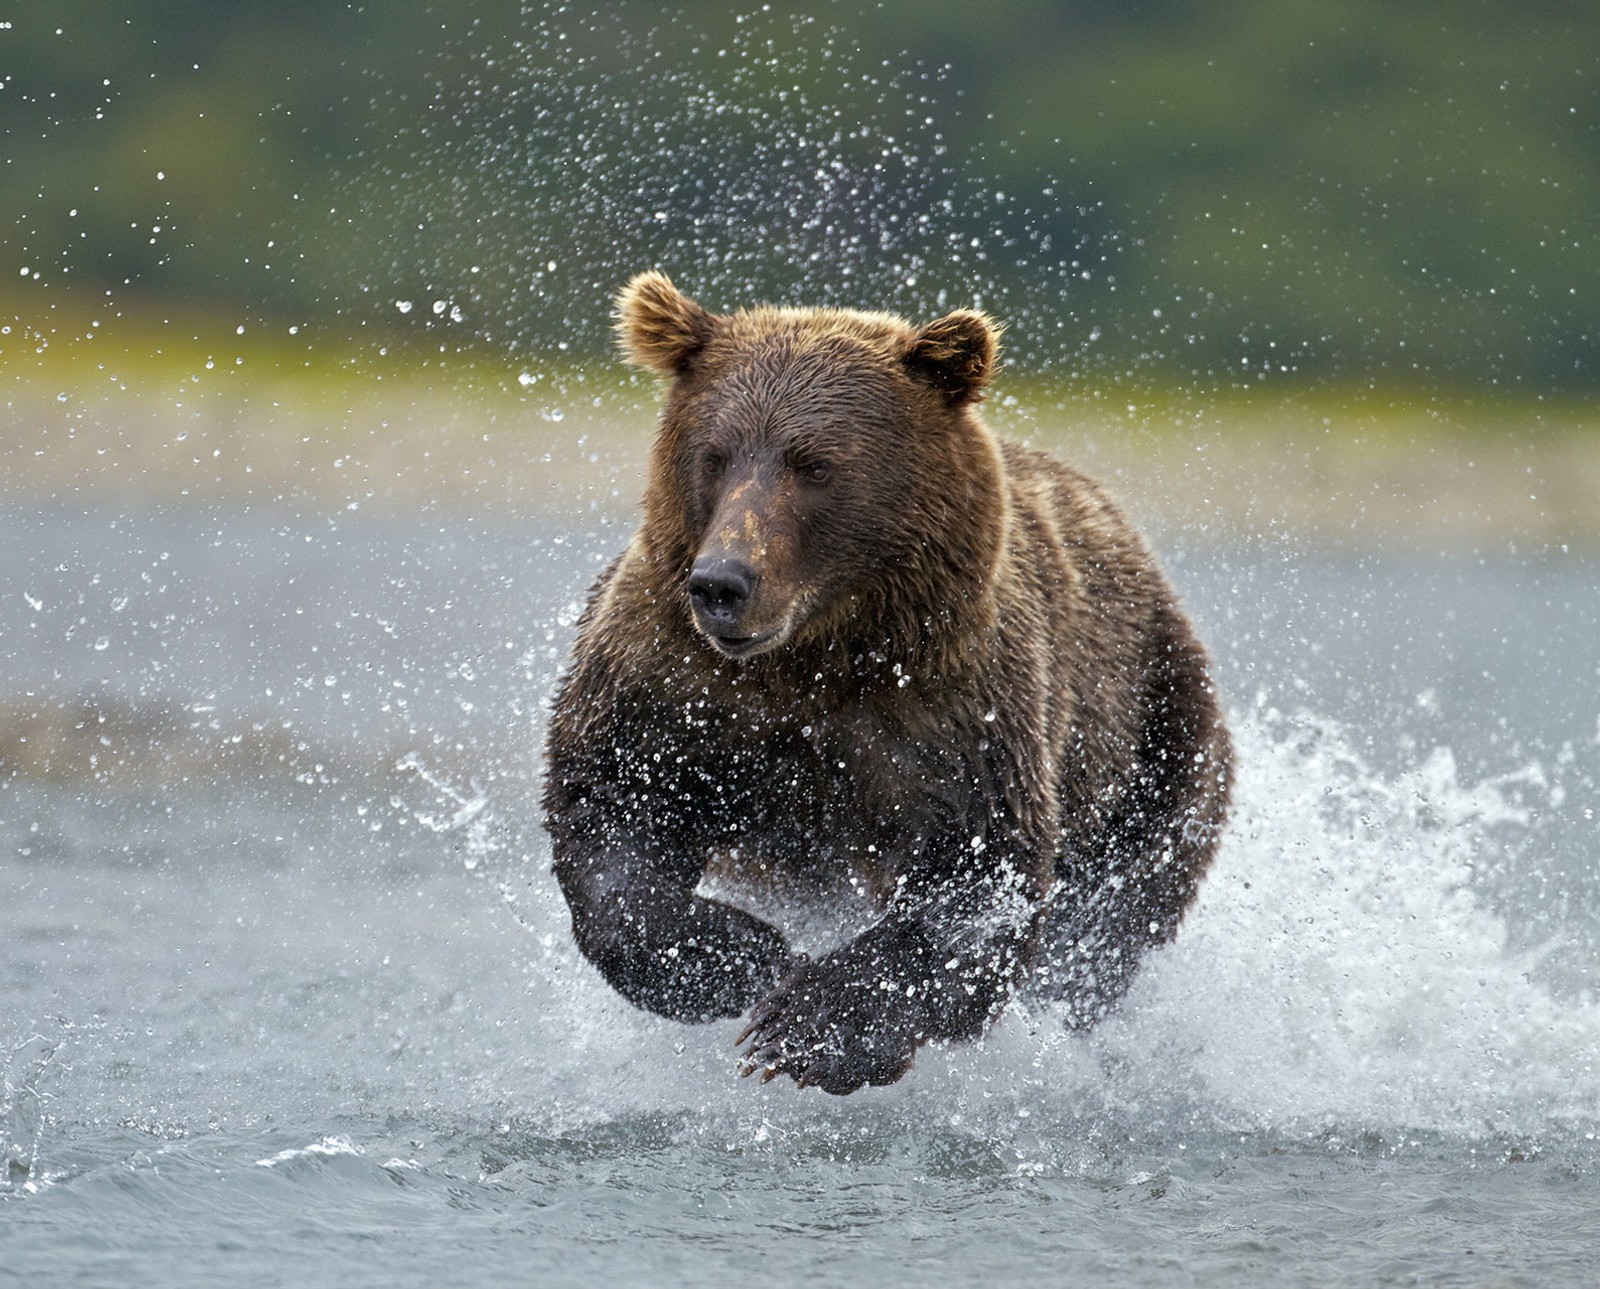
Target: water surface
x,y
290,996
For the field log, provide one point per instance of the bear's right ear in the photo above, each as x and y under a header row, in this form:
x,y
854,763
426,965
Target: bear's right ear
x,y
658,326
958,353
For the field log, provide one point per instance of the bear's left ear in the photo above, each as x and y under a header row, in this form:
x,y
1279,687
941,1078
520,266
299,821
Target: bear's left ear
x,y
958,353
658,326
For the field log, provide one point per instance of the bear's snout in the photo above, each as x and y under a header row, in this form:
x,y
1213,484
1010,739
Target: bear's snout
x,y
722,592
720,588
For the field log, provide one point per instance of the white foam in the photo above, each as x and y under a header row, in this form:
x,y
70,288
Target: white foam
x,y
1344,964
1343,969
327,1148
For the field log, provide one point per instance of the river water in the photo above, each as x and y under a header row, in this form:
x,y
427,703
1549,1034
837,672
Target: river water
x,y
289,995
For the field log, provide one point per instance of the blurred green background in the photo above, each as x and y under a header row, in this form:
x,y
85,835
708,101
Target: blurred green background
x,y
1373,186
1379,204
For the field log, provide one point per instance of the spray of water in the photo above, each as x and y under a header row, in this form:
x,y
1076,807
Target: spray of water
x,y
26,1096
547,170
1344,970
1344,962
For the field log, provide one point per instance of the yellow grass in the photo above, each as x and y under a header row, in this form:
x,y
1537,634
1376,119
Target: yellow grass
x,y
127,411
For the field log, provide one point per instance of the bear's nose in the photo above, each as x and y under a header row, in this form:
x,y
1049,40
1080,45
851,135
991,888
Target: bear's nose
x,y
720,587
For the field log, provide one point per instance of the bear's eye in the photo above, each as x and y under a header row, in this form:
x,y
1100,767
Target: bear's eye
x,y
713,465
816,472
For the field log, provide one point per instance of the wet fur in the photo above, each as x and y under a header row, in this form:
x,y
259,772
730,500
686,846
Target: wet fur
x,y
979,702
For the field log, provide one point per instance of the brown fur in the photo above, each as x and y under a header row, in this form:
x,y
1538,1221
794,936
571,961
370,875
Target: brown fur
x,y
857,637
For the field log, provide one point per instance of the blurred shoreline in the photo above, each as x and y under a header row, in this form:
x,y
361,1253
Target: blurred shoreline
x,y
224,424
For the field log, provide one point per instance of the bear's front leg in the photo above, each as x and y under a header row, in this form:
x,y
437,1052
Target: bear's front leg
x,y
941,968
661,946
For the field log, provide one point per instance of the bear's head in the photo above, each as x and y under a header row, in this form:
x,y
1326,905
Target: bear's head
x,y
820,475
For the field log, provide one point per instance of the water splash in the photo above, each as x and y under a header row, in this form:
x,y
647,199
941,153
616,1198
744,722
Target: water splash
x,y
467,812
24,1110
489,841
554,164
1346,969
1346,961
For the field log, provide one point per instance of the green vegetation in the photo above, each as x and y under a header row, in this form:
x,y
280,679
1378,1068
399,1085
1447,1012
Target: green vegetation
x,y
1358,191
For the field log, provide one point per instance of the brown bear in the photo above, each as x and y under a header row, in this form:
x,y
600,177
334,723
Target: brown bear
x,y
858,644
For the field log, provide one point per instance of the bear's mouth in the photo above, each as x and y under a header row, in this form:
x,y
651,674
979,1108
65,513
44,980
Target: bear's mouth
x,y
742,646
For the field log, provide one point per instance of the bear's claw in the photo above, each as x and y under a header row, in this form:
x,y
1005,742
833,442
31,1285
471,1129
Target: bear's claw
x,y
825,1030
